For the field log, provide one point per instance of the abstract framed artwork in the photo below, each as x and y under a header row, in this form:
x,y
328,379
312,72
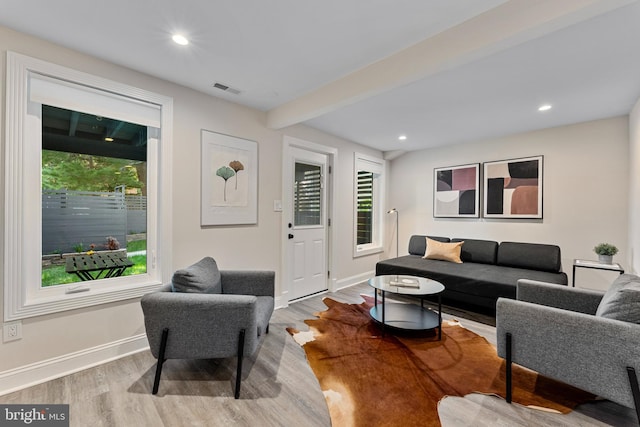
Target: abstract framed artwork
x,y
229,182
456,191
513,188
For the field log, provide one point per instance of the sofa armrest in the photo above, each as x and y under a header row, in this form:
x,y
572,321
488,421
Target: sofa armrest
x,y
588,352
201,326
552,295
240,282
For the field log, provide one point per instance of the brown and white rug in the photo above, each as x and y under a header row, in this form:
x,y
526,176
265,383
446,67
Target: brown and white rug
x,y
370,380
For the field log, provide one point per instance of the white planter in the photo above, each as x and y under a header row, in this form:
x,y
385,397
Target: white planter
x,y
605,259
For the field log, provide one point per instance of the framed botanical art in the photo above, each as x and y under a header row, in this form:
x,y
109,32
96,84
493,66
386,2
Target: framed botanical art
x,y
229,188
513,188
456,191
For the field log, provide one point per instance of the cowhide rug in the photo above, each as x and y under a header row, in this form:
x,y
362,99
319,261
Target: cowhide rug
x,y
371,380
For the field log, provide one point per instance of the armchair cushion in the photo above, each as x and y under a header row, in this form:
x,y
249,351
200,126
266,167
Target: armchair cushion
x,y
622,300
201,277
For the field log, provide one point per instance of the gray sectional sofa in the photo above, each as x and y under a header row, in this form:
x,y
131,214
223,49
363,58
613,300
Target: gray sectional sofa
x,y
489,270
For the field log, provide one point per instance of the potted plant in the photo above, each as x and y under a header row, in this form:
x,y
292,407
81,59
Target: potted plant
x,y
605,252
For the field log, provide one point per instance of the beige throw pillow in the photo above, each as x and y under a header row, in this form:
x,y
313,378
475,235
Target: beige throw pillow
x,y
443,251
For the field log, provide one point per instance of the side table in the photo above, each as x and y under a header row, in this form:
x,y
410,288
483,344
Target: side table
x,y
585,263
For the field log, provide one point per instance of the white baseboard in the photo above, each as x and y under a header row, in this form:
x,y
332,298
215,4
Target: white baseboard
x,y
281,302
47,370
334,286
354,280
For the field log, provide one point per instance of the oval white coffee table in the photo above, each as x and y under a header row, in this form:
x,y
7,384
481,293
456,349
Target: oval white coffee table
x,y
406,316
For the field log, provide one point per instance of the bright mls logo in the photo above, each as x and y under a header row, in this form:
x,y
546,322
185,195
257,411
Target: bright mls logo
x,y
34,415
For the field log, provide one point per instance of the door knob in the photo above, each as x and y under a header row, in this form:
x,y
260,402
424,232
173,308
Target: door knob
x,y
290,236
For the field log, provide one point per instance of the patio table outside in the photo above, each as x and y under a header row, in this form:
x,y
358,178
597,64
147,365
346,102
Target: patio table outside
x,y
98,265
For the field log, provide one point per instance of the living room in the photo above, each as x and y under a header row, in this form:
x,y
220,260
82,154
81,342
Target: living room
x,y
591,194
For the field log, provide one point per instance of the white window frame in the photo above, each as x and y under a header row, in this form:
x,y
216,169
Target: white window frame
x,y
363,162
23,295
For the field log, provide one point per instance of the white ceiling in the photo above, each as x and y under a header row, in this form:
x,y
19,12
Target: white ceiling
x,y
439,71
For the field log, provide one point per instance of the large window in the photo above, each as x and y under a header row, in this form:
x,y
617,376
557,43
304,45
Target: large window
x,y
86,162
369,204
93,187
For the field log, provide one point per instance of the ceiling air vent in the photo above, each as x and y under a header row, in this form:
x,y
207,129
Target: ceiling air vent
x,y
226,88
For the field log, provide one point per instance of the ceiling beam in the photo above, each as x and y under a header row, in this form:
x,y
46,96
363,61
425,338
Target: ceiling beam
x,y
512,23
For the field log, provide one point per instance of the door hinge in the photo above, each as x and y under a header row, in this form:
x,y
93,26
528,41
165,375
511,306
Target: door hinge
x,y
328,274
329,170
329,222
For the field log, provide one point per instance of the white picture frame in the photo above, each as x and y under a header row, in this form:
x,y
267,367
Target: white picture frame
x,y
514,188
229,180
456,191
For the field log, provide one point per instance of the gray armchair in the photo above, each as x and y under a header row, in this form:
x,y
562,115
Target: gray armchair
x,y
201,325
554,330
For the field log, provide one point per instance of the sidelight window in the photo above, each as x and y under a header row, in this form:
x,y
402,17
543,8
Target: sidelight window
x,y
369,205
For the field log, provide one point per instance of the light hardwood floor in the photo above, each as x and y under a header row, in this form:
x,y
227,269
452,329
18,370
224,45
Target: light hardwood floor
x,y
278,387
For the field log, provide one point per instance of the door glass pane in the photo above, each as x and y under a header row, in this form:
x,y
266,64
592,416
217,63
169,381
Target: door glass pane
x,y
307,195
93,196
365,208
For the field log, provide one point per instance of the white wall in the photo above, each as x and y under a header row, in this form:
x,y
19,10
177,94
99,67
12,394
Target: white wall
x,y
586,181
66,340
634,189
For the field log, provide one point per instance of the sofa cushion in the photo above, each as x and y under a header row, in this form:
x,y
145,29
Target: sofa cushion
x,y
485,281
533,256
443,251
201,277
418,243
622,300
479,251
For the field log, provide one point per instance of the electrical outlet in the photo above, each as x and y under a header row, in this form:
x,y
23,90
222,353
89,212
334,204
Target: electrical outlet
x,y
12,331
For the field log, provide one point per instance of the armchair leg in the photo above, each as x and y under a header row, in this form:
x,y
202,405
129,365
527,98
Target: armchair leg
x,y
240,357
161,359
509,377
635,390
267,331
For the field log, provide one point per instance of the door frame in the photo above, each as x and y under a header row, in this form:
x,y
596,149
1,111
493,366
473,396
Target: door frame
x,y
332,156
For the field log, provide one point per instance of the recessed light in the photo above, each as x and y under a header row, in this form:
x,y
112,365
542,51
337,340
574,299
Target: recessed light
x,y
180,39
402,137
108,139
545,107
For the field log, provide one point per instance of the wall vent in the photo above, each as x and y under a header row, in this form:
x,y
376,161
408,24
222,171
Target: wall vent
x,y
226,88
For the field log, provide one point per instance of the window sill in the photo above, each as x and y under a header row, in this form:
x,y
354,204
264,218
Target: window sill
x,y
95,296
366,250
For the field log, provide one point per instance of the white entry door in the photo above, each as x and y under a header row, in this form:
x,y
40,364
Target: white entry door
x,y
307,226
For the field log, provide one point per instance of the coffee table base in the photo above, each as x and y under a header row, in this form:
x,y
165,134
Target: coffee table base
x,y
405,316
